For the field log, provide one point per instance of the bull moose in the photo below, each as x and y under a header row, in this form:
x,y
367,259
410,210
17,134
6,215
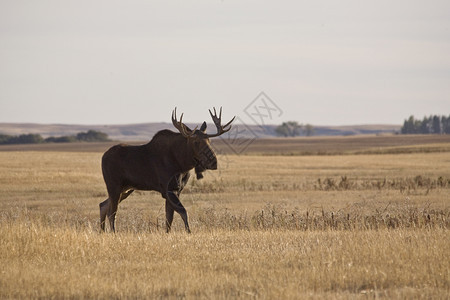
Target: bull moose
x,y
162,165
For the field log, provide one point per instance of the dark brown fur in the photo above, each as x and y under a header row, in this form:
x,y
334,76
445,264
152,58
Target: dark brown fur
x,y
162,165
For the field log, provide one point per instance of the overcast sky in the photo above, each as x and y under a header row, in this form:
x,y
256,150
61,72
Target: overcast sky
x,y
319,62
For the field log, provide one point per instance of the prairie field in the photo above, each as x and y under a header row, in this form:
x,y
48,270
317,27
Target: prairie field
x,y
368,220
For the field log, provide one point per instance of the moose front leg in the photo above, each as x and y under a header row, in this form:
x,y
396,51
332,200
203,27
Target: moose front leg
x,y
104,206
169,215
178,207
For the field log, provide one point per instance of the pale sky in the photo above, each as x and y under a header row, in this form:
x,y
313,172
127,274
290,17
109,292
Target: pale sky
x,y
320,62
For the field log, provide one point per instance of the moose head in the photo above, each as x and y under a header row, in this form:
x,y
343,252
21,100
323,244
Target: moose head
x,y
198,140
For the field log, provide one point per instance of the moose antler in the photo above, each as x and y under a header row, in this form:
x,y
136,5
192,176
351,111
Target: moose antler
x,y
217,121
180,126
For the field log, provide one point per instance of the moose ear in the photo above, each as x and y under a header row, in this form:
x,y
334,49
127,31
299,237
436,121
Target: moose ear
x,y
203,128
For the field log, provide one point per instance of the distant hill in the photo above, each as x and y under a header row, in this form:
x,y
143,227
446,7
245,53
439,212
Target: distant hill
x,y
145,131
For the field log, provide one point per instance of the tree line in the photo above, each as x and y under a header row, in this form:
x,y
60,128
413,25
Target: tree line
x,y
428,125
293,128
89,136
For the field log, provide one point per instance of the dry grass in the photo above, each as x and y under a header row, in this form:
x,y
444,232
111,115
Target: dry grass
x,y
352,226
47,262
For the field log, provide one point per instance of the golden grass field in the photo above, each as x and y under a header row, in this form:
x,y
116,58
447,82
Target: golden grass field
x,y
365,223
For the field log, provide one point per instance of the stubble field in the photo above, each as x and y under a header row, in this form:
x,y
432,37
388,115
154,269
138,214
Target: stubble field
x,y
368,223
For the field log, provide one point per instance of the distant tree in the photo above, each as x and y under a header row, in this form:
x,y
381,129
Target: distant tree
x,y
282,131
423,126
291,128
92,136
309,130
408,126
61,139
4,138
445,121
21,139
28,139
432,124
436,124
419,126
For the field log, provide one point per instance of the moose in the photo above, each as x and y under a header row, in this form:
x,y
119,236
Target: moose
x,y
162,165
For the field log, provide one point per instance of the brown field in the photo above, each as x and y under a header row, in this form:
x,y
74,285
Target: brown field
x,y
370,217
338,145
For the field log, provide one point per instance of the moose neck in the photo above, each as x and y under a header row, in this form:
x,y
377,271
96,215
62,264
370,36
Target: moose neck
x,y
173,150
183,154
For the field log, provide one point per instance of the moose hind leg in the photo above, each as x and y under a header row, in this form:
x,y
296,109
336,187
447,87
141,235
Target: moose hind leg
x,y
112,210
169,215
103,210
179,208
